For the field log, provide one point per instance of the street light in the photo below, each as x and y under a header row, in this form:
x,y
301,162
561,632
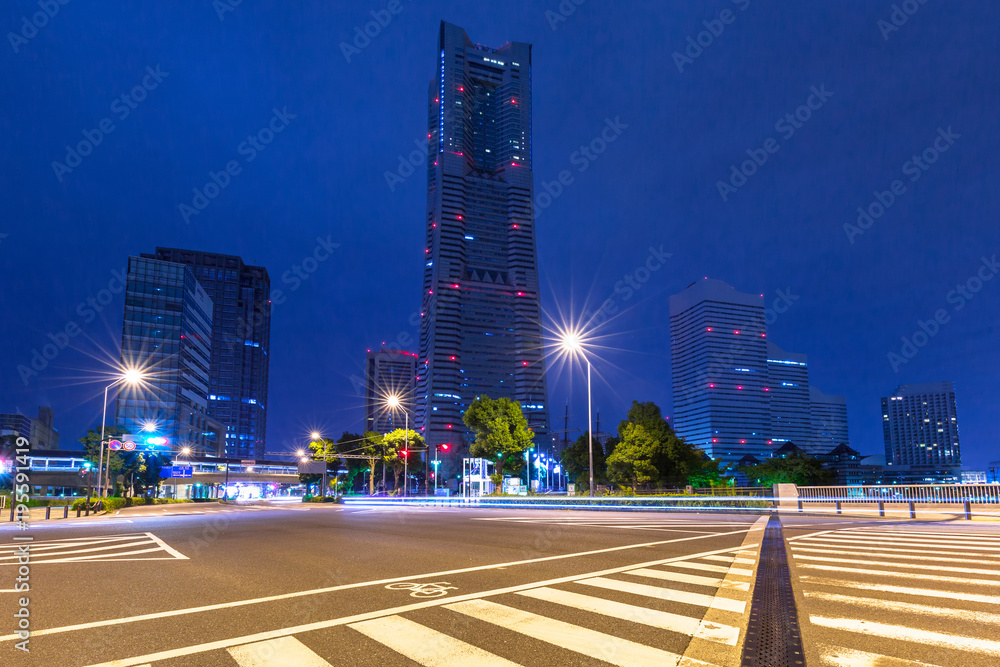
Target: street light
x,y
395,404
131,377
572,343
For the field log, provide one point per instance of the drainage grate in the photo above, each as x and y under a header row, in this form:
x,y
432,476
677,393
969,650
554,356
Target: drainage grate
x,y
773,638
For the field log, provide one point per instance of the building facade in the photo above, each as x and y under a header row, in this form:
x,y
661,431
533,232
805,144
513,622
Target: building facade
x,y
389,373
167,333
241,336
40,432
788,386
735,393
920,431
829,420
480,329
718,351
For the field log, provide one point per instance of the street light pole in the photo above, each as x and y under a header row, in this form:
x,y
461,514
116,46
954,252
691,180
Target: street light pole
x,y
590,432
406,448
100,465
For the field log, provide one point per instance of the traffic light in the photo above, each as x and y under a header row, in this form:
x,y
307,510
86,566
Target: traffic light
x,y
403,453
445,447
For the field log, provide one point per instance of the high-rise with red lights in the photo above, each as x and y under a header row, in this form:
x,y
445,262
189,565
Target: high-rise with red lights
x,y
480,331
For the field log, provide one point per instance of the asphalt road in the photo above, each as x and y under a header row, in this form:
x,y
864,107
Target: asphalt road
x,y
330,585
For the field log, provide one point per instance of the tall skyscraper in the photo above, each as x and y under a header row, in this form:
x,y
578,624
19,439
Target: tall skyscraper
x,y
829,421
389,373
788,385
168,333
241,333
480,331
920,429
718,350
736,393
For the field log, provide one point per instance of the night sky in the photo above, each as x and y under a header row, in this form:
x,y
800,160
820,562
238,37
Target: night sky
x,y
65,235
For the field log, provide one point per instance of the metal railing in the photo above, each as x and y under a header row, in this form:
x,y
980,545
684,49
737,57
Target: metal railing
x,y
918,493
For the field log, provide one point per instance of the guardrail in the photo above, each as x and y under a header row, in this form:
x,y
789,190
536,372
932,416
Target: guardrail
x,y
917,493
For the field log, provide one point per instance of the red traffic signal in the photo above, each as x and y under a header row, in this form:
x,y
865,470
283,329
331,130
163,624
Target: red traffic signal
x,y
445,447
403,452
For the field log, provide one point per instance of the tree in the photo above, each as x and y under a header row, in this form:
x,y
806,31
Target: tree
x,y
575,461
802,470
371,448
114,463
394,443
631,463
501,430
677,461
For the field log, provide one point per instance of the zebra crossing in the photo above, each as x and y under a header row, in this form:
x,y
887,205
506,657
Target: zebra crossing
x,y
696,620
888,596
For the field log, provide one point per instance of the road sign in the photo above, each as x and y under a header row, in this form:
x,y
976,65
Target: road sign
x,y
128,445
183,471
248,462
167,471
115,445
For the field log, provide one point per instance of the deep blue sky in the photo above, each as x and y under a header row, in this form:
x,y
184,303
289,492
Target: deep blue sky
x,y
656,184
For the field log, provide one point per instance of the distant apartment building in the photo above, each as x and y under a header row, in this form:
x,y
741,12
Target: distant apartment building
x,y
920,431
40,432
241,339
389,373
167,332
734,392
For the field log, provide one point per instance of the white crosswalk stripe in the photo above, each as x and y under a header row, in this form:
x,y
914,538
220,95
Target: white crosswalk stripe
x,y
853,581
423,644
136,546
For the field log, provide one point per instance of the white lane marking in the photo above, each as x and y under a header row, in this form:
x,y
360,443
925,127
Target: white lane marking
x,y
664,593
730,559
902,542
704,567
894,606
92,557
379,582
838,656
900,575
693,627
944,532
903,590
690,579
73,542
908,555
426,646
281,652
119,545
904,633
608,648
862,560
170,550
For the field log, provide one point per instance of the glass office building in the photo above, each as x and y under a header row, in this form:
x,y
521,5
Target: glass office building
x,y
167,332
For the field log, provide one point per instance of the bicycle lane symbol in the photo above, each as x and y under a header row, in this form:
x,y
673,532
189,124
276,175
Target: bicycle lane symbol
x,y
429,590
